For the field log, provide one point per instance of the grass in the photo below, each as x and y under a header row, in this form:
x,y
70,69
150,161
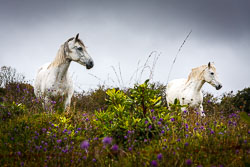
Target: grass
x,y
113,127
32,136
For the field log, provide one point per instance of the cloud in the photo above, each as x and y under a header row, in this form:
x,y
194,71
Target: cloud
x,y
124,32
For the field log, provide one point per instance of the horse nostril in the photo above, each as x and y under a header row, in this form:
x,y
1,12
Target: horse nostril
x,y
90,65
218,87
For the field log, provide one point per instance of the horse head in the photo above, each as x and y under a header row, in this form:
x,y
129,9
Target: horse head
x,y
211,77
75,50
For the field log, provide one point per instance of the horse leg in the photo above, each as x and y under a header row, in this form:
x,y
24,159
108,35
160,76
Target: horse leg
x,y
201,111
67,104
46,104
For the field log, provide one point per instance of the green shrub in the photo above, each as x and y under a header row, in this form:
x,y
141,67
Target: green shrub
x,y
242,100
91,100
11,110
139,115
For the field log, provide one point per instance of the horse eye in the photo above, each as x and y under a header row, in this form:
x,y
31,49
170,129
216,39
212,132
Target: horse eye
x,y
80,48
212,73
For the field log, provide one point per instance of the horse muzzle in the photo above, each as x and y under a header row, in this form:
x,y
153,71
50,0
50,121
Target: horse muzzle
x,y
90,64
218,87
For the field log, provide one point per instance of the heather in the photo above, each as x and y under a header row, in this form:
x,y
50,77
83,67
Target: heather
x,y
120,127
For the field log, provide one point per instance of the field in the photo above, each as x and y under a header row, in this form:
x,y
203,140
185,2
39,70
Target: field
x,y
128,127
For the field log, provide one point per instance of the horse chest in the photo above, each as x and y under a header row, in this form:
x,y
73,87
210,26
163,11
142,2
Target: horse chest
x,y
57,85
192,99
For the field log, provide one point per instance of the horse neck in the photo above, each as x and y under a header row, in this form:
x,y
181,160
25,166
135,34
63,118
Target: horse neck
x,y
195,84
60,64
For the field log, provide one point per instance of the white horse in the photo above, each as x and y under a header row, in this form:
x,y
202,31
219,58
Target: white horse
x,y
53,78
188,91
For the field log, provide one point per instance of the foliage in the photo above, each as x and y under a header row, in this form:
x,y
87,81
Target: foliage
x,y
242,100
139,115
91,100
9,75
131,127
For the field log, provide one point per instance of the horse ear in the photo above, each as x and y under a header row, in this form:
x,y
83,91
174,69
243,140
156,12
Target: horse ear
x,y
209,65
76,38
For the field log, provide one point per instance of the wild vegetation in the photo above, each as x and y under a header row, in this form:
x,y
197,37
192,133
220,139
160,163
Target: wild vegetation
x,y
120,127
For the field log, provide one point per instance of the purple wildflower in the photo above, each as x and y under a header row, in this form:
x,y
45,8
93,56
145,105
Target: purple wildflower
x,y
162,131
84,145
53,102
154,163
172,119
161,119
159,156
154,117
186,144
107,140
150,127
94,160
59,141
212,132
18,153
152,110
146,122
115,147
189,162
159,122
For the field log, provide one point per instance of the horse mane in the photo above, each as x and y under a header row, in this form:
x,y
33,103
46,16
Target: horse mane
x,y
61,56
196,72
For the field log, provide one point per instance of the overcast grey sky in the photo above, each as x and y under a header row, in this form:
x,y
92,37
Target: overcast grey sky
x,y
124,32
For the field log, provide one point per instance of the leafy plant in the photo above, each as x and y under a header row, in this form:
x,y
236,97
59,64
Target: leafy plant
x,y
139,114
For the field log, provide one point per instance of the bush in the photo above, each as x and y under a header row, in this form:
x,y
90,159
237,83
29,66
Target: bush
x,y
90,101
9,75
242,100
139,115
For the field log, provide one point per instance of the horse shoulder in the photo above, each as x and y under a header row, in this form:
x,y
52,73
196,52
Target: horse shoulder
x,y
39,78
174,89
